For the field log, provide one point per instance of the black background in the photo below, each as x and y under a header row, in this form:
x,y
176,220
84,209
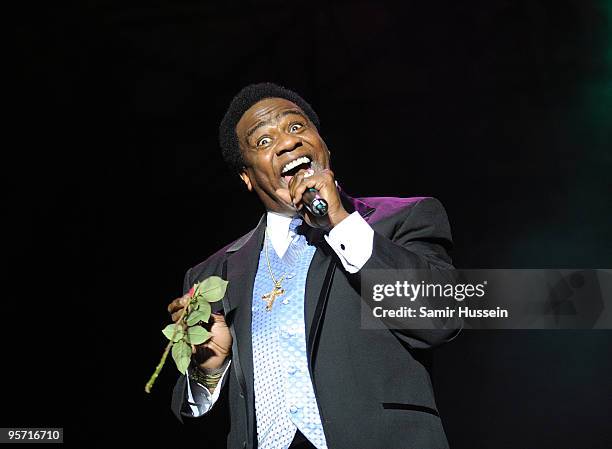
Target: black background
x,y
500,109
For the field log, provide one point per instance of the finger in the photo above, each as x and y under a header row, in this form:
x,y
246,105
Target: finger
x,y
294,184
307,182
209,347
322,181
217,318
177,315
215,321
173,305
178,304
326,182
218,350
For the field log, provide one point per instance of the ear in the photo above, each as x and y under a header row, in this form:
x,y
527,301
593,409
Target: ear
x,y
246,179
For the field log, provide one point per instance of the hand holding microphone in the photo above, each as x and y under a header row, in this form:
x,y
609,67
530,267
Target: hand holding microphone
x,y
316,197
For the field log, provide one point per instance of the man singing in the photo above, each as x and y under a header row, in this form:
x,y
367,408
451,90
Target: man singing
x,y
287,351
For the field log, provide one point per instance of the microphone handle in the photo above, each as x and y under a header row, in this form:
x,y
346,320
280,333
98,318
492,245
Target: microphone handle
x,y
314,203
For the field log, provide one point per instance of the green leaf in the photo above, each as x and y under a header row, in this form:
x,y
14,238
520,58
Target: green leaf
x,y
202,302
199,315
205,307
169,330
197,288
181,353
212,289
197,335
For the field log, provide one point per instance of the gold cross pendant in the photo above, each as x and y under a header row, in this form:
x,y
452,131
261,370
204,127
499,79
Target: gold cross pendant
x,y
269,298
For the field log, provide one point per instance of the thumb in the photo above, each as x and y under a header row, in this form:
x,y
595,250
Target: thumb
x,y
217,318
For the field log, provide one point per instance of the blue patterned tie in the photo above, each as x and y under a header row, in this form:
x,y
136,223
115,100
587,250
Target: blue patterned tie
x,y
284,396
297,245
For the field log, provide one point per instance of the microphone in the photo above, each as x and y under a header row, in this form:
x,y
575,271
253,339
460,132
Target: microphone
x,y
314,203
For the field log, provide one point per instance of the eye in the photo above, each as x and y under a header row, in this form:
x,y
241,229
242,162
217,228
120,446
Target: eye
x,y
263,141
295,127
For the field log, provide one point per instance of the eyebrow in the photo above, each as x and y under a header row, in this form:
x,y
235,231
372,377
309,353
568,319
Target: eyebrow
x,y
279,115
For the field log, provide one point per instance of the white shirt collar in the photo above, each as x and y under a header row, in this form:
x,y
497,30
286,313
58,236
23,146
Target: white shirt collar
x,y
278,231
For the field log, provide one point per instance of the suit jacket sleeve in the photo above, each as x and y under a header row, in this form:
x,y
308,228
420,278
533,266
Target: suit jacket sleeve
x,y
179,393
421,240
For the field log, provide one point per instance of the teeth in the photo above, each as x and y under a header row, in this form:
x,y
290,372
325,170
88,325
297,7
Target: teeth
x,y
295,163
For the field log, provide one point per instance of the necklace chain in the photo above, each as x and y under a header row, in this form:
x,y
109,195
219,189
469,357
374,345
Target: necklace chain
x,y
276,283
278,289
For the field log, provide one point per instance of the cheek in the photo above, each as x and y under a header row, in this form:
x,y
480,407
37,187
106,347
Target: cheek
x,y
324,150
266,164
264,169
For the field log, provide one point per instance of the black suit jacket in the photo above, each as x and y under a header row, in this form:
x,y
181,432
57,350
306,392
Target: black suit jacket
x,y
372,386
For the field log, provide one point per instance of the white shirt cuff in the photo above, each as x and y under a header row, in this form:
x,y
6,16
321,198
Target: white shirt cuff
x,y
352,240
199,398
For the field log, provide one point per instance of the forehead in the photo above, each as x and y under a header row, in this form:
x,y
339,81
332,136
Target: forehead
x,y
263,110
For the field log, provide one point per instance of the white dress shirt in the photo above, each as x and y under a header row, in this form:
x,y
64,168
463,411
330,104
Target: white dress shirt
x,y
351,239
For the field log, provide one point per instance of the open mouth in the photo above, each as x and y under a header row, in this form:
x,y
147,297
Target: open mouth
x,y
290,169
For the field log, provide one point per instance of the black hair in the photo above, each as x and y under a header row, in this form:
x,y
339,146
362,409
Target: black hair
x,y
246,98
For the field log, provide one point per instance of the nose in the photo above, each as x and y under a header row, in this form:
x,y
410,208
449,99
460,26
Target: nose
x,y
288,143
